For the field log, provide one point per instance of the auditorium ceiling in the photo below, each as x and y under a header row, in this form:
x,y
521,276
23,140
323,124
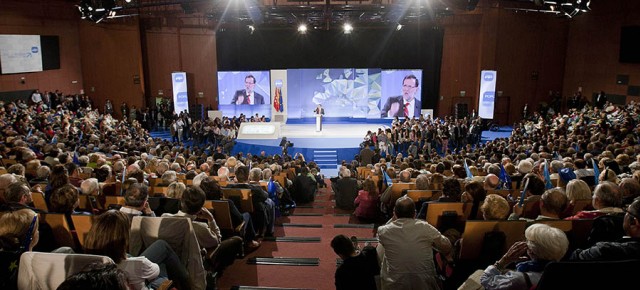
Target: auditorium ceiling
x,y
316,14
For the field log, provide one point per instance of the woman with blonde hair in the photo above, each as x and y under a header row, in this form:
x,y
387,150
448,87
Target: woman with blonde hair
x,y
109,236
18,230
176,189
576,190
18,234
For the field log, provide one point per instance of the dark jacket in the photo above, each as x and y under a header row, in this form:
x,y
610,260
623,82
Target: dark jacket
x,y
624,249
346,191
358,272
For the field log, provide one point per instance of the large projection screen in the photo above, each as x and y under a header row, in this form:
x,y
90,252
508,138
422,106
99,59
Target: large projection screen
x,y
20,53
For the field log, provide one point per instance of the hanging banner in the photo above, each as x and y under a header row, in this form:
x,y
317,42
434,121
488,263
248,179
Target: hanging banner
x,y
180,97
487,99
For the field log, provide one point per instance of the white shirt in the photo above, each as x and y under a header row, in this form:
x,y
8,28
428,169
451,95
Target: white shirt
x,y
139,270
36,97
411,107
250,97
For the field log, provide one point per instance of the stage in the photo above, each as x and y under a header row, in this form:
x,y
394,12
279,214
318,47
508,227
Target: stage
x,y
336,142
339,140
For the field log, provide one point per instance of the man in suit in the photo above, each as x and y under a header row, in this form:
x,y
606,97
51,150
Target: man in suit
x,y
601,100
248,96
406,105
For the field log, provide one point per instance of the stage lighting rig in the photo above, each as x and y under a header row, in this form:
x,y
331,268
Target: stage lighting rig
x,y
96,10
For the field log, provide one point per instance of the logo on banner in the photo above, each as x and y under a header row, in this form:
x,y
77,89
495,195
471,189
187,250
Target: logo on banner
x,y
34,49
178,78
182,98
488,77
488,98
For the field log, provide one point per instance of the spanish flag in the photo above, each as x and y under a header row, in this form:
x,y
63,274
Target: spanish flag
x,y
276,100
280,102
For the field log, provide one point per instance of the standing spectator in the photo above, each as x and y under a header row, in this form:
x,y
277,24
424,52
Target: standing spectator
x,y
406,246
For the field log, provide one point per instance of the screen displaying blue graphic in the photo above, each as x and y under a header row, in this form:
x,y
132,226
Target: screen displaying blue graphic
x,y
341,92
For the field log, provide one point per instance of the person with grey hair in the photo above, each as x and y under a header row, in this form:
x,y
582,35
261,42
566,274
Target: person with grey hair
x,y
136,201
6,180
554,168
199,178
255,174
543,244
223,173
608,215
607,199
168,177
422,182
406,249
90,187
346,190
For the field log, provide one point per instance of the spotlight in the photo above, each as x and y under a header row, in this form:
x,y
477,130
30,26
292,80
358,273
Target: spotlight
x,y
128,1
584,5
398,27
302,28
347,28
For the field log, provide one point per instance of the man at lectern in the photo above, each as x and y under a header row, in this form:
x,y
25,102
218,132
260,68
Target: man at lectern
x,y
319,111
248,96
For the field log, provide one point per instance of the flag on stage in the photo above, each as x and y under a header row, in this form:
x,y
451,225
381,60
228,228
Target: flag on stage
x,y
280,100
276,100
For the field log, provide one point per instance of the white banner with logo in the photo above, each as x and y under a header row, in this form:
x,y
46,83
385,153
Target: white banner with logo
x,y
180,97
487,99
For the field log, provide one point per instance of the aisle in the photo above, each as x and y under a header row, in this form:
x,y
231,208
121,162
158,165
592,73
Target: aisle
x,y
315,222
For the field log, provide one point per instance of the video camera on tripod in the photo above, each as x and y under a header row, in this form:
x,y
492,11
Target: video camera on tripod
x,y
285,144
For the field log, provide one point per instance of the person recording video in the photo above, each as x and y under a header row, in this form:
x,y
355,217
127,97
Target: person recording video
x,y
406,105
248,96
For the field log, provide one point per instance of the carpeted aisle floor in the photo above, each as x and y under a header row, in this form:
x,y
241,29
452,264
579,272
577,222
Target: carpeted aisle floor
x,y
301,277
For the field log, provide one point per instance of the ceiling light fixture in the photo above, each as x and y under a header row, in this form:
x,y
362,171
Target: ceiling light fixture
x,y
347,28
302,28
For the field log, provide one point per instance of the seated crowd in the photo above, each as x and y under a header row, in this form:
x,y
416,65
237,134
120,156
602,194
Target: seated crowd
x,y
74,163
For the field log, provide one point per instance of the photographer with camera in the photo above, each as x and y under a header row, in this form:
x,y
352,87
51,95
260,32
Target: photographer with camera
x,y
285,145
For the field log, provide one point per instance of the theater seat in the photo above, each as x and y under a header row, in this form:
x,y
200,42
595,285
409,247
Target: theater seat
x,y
46,271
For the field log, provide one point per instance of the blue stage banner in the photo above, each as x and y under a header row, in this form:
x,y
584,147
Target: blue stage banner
x,y
180,96
487,97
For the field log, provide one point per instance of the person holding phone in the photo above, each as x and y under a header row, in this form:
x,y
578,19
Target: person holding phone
x,y
248,96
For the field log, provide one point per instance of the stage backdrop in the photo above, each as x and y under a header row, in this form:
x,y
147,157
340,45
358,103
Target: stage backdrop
x,y
372,48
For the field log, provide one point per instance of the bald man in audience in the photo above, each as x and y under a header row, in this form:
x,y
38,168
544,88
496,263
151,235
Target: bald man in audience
x,y
553,202
491,182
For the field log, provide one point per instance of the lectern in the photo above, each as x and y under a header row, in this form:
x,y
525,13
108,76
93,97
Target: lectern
x,y
318,122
